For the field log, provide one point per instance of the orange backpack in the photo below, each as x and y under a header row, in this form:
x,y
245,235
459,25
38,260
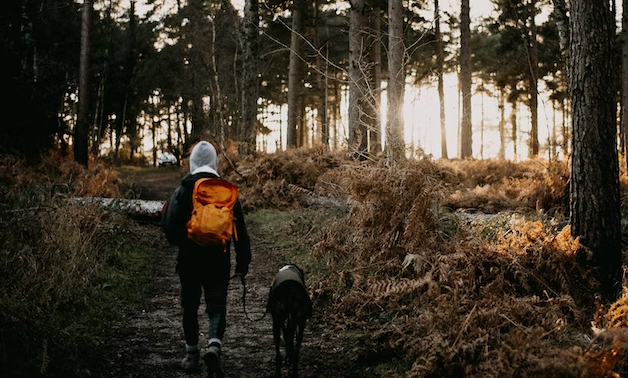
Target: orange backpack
x,y
212,219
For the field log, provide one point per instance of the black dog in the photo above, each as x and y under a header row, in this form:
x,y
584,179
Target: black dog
x,y
290,306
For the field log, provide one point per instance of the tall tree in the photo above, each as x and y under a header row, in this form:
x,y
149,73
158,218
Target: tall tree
x,y
466,142
595,200
250,67
81,133
395,145
533,81
502,124
359,69
295,77
217,98
322,134
375,131
624,76
440,63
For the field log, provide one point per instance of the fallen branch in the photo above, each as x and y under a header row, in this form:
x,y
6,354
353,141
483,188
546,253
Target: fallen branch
x,y
136,208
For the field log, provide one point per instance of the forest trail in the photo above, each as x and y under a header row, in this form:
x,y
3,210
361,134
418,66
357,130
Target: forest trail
x,y
148,340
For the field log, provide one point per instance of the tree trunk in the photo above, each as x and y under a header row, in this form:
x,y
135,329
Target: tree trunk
x,y
395,145
169,128
534,74
562,23
336,111
375,132
482,123
440,66
153,130
98,113
358,79
466,142
624,78
216,102
565,129
553,147
250,67
595,199
322,131
132,133
294,71
136,208
502,124
199,120
301,123
81,133
515,129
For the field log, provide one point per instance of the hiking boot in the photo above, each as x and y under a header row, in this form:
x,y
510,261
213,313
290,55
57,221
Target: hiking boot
x,y
190,362
212,360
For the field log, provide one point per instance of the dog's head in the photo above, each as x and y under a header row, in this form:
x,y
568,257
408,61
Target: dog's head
x,y
294,268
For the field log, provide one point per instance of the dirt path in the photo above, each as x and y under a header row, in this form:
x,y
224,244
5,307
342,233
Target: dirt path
x,y
148,341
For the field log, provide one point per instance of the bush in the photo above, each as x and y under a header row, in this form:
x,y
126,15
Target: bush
x,y
492,186
454,303
279,180
54,260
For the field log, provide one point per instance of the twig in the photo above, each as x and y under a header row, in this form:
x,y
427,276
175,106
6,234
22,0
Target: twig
x,y
223,151
512,322
464,326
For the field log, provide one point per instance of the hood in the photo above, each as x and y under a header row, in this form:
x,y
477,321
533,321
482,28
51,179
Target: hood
x,y
203,158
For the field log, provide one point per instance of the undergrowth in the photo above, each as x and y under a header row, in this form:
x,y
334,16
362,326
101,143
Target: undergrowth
x,y
403,279
66,269
417,289
279,180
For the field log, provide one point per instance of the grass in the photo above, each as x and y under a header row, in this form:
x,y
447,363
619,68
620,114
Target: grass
x,y
62,331
67,270
121,283
294,232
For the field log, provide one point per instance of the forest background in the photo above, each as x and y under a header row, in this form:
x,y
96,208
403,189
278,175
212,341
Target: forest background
x,y
158,80
102,83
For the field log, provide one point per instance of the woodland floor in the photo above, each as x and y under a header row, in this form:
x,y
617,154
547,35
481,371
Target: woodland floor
x,y
148,340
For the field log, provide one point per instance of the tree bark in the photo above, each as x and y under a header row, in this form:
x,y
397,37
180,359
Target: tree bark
x,y
375,132
136,208
466,142
294,72
216,102
440,63
595,200
322,131
624,78
358,79
502,124
562,23
250,67
81,133
515,128
395,144
534,74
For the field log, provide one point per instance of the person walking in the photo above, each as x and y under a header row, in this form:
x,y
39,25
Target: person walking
x,y
203,269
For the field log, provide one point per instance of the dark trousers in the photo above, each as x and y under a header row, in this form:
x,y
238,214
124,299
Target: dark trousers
x,y
216,307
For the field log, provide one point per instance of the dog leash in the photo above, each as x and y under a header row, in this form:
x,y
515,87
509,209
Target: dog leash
x,y
244,299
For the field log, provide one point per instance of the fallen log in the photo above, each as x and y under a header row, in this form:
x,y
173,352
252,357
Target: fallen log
x,y
136,208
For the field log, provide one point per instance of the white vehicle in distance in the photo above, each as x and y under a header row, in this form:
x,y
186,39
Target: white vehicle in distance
x,y
167,159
